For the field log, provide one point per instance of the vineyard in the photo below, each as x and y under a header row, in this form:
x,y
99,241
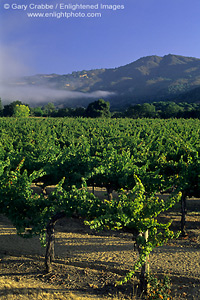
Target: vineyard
x,y
133,160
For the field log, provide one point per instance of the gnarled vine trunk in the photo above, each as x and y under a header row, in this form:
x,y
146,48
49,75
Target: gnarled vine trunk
x,y
183,214
109,193
143,287
50,250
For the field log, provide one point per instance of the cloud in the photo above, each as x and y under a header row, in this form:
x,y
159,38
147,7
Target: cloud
x,y
13,88
39,94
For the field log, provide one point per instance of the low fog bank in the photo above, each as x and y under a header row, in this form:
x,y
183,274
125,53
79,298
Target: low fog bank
x,y
12,87
36,95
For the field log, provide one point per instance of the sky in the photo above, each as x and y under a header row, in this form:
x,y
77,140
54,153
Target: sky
x,y
63,41
61,45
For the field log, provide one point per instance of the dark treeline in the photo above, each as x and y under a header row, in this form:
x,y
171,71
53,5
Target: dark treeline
x,y
163,110
101,108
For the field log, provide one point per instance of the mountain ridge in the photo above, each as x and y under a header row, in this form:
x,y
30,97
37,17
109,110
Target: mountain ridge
x,y
148,79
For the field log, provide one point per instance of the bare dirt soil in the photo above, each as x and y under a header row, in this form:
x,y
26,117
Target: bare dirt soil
x,y
88,264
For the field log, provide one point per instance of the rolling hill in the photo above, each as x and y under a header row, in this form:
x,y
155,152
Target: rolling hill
x,y
151,78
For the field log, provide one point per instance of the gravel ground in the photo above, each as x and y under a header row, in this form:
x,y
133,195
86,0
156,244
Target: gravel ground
x,y
89,263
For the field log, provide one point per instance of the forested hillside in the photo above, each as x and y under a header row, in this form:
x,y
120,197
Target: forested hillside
x,y
151,78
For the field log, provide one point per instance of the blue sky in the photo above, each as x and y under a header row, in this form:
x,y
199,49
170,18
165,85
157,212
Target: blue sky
x,y
51,45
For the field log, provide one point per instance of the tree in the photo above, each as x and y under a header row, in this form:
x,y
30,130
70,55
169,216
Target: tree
x,y
21,111
145,110
9,109
1,108
171,110
79,112
36,215
98,109
49,109
37,111
148,110
135,212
